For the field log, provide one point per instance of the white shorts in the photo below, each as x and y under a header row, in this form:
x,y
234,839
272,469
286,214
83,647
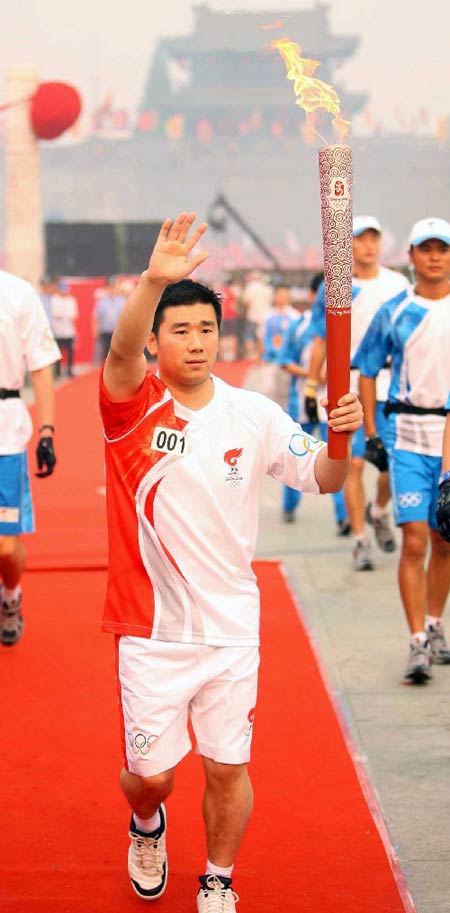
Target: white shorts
x,y
161,685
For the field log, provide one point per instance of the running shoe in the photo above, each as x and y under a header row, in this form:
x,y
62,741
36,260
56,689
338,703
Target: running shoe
x,y
11,621
440,654
215,895
418,671
383,533
147,860
288,516
362,555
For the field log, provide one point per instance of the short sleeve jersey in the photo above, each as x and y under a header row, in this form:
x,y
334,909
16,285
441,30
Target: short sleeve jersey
x,y
64,311
367,297
277,328
414,332
107,311
26,343
297,350
183,492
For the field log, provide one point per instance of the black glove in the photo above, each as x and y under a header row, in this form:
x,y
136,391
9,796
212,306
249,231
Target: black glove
x,y
45,456
311,409
375,453
443,510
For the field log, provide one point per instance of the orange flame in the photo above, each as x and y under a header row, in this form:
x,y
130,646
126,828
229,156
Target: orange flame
x,y
312,94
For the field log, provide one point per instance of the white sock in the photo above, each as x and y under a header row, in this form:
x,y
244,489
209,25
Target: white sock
x,y
359,537
148,825
419,637
377,511
10,595
224,871
432,620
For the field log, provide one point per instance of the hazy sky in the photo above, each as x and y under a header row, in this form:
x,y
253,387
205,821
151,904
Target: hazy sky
x,y
403,59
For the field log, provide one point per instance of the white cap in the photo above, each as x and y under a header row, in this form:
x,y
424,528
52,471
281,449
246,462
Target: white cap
x,y
363,223
429,228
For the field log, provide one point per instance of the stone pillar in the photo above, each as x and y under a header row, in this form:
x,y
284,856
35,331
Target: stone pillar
x,y
23,226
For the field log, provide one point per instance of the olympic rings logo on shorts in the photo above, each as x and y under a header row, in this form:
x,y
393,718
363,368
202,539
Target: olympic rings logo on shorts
x,y
140,743
409,499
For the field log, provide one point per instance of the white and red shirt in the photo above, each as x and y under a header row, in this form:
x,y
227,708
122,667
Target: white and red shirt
x,y
64,312
26,344
183,491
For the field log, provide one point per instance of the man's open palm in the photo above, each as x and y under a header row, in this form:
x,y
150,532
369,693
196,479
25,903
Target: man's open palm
x,y
170,260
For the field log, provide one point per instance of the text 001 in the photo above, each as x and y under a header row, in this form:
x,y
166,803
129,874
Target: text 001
x,y
168,440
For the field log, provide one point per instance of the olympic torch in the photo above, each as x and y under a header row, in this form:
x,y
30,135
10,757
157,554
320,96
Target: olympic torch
x,y
336,181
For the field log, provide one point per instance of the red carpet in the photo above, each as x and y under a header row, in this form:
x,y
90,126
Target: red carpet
x,y
312,845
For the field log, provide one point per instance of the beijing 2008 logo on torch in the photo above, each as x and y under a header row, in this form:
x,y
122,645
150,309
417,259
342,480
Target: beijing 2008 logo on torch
x,y
339,193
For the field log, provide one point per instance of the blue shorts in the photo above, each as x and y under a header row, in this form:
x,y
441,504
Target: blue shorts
x,y
414,479
16,507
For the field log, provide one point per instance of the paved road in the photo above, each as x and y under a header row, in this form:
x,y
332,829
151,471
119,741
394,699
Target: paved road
x,y
402,732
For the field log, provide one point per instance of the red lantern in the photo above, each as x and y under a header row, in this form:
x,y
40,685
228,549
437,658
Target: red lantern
x,y
55,107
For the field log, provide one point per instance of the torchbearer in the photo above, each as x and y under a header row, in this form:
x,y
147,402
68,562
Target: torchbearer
x,y
184,609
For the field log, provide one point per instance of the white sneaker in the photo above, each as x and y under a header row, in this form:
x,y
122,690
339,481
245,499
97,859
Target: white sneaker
x,y
440,652
383,533
215,895
11,620
147,860
418,671
362,555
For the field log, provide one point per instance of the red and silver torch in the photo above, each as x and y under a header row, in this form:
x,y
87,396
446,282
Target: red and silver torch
x,y
336,181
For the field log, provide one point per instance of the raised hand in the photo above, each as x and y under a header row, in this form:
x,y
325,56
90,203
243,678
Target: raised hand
x,y
170,260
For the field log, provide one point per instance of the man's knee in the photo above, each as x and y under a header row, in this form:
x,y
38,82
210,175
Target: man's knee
x,y
8,546
415,540
160,784
356,467
222,775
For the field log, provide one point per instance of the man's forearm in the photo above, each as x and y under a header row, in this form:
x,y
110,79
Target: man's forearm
x,y
135,323
318,355
368,397
44,394
331,474
292,368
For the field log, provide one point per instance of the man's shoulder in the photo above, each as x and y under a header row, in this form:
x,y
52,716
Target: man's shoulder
x,y
250,403
15,286
393,281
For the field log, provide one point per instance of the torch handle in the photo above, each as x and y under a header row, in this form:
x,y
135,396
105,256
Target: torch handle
x,y
338,375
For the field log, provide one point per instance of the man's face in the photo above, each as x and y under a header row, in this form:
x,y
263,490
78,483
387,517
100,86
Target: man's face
x,y
282,297
187,343
431,260
366,248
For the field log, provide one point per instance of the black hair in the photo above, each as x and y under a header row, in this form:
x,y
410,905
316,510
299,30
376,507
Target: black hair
x,y
316,281
187,292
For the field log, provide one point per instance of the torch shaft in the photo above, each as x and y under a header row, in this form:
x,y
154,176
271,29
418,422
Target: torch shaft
x,y
335,168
